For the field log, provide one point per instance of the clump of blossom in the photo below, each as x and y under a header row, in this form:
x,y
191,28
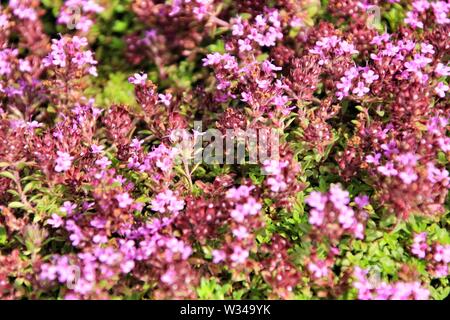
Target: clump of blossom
x,y
278,270
69,53
158,163
118,124
424,13
264,30
332,217
167,201
398,290
436,255
79,14
356,81
161,115
281,181
63,162
10,265
241,215
201,9
68,63
23,9
402,173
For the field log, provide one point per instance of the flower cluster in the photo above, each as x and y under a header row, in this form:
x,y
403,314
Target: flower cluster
x,y
79,14
437,255
399,290
332,217
68,54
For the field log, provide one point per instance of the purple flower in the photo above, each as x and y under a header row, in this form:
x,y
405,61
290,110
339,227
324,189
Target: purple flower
x,y
427,48
316,217
165,99
346,217
318,269
68,207
55,221
420,247
338,196
167,201
362,201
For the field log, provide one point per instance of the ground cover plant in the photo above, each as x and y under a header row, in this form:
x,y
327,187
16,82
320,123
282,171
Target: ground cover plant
x,y
117,180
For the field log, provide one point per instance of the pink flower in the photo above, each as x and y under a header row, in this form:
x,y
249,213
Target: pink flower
x,y
68,207
370,76
244,45
169,277
165,99
412,20
442,70
124,200
63,162
24,65
97,149
388,169
316,217
138,79
316,200
420,247
427,48
218,256
318,270
408,176
167,201
346,217
361,89
239,255
441,89
103,162
240,232
277,183
241,192
338,196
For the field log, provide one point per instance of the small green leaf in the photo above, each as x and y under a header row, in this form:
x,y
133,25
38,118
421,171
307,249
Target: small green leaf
x,y
8,174
16,205
3,236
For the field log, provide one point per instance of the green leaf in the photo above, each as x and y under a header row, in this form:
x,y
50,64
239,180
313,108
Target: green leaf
x,y
8,174
3,236
16,205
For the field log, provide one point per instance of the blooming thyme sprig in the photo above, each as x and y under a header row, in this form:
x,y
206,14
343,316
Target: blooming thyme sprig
x,y
332,217
69,62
